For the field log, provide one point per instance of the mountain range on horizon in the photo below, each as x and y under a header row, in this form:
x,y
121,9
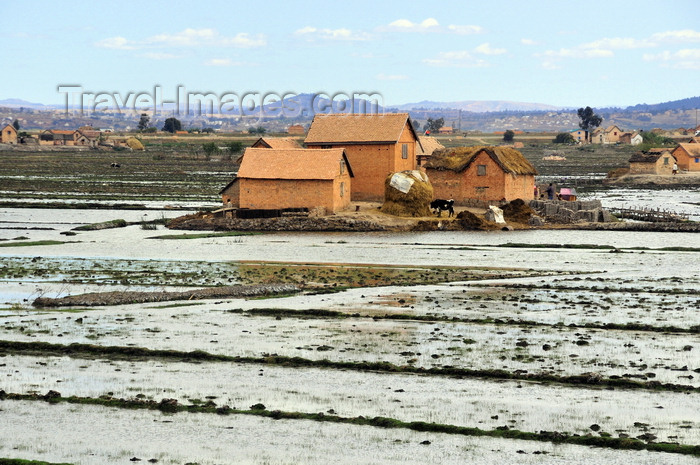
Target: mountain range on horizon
x,y
474,106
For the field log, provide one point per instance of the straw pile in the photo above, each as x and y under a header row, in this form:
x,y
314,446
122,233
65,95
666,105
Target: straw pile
x,y
134,143
407,193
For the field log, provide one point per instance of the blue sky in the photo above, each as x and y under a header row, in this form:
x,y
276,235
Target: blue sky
x,y
598,53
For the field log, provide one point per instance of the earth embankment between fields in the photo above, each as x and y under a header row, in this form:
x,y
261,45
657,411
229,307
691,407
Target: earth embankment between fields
x,y
132,297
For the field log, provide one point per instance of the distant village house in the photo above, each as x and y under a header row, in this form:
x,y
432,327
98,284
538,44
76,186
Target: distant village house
x,y
688,156
426,148
8,135
653,161
296,129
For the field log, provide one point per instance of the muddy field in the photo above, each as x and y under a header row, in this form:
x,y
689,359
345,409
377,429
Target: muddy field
x,y
557,346
436,347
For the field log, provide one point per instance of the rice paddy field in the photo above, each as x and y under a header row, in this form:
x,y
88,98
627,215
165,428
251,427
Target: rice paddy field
x,y
541,346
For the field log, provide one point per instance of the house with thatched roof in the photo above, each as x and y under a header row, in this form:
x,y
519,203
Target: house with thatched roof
x,y
481,175
426,148
274,179
375,144
653,161
688,156
8,135
276,143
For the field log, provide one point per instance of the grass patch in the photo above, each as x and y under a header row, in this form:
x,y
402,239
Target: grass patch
x,y
33,243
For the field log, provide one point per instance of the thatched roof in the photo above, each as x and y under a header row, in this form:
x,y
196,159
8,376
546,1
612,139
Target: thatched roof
x,y
345,129
458,159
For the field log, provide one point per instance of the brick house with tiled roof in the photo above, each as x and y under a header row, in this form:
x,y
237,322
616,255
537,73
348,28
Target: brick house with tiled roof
x,y
376,146
57,137
291,178
609,135
688,156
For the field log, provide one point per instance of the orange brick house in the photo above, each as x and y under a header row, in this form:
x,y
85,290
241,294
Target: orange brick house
x,y
297,129
688,156
8,135
376,146
481,175
428,145
276,143
291,178
653,161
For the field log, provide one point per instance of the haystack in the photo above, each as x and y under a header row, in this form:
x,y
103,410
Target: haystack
x,y
517,211
134,143
407,193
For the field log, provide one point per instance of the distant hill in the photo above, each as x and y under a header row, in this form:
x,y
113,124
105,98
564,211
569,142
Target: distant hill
x,y
479,106
17,102
691,103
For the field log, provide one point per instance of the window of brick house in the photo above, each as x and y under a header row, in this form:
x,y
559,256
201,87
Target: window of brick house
x,y
404,151
665,160
342,189
481,170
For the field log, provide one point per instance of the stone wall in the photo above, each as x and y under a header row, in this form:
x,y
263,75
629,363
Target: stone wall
x,y
578,211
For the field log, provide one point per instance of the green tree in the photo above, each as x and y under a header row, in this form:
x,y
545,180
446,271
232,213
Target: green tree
x,y
564,138
589,120
234,147
259,130
210,148
434,125
144,121
15,123
508,136
651,140
172,124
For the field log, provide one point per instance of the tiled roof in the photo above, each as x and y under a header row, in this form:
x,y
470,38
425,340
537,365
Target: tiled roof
x,y
61,131
429,145
459,158
261,163
277,143
692,149
357,128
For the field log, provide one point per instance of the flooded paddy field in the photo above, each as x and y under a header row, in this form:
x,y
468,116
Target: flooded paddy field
x,y
436,347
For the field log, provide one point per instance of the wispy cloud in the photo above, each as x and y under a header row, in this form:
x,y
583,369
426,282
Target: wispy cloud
x,y
116,43
430,25
486,49
618,43
528,42
222,62
159,55
684,35
456,59
682,59
391,77
312,33
576,53
465,29
186,38
409,26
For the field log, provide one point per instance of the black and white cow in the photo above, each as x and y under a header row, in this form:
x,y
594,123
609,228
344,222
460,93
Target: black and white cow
x,y
438,205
